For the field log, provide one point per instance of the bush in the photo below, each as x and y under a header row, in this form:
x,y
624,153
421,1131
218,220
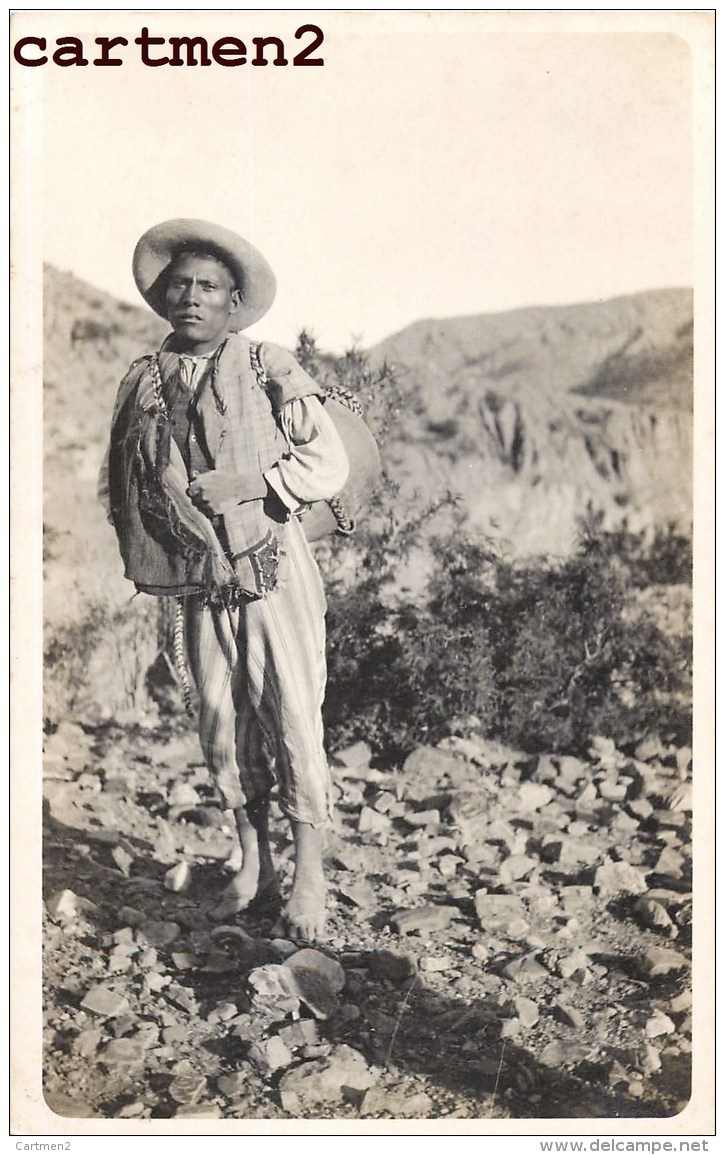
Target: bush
x,y
545,654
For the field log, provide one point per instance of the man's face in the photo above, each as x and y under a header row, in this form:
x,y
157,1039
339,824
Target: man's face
x,y
200,301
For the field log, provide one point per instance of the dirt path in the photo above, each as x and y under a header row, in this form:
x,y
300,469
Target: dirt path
x,y
509,938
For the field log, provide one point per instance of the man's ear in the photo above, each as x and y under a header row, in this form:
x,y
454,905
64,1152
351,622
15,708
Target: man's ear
x,y
236,295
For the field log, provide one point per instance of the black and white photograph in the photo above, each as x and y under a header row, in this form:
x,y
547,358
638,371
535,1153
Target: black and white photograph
x,y
361,487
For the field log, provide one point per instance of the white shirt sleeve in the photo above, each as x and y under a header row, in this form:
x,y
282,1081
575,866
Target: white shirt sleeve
x,y
317,466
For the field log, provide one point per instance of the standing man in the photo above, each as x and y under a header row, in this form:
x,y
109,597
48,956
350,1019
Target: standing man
x,y
216,445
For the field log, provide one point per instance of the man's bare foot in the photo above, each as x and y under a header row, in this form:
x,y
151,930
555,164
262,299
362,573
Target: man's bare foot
x,y
248,886
257,879
305,910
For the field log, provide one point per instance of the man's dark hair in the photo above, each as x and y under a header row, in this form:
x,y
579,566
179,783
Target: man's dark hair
x,y
205,252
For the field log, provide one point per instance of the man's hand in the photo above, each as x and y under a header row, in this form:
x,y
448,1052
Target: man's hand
x,y
216,492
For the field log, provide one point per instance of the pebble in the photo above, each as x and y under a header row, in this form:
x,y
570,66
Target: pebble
x,y
124,861
651,1061
222,1012
63,905
527,1012
178,878
104,1002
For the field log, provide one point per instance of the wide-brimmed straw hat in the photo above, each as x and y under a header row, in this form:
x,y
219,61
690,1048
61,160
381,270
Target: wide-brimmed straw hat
x,y
155,251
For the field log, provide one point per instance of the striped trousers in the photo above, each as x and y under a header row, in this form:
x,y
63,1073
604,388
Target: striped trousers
x,y
260,672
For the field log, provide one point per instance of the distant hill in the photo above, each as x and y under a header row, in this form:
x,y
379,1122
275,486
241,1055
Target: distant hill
x,y
531,415
537,416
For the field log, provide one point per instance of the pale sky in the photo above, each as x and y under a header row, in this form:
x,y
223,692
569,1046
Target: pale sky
x,y
436,165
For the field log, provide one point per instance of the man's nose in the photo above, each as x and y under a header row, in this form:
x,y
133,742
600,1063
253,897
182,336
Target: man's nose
x,y
190,292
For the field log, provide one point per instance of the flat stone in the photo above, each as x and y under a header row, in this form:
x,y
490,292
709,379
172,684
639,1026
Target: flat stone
x,y
496,911
270,1055
323,1080
578,852
421,818
87,1042
659,1024
511,1029
658,960
387,966
516,866
653,915
275,989
423,919
436,963
184,961
619,878
63,905
642,808
303,1033
156,933
612,791
359,754
222,1012
233,1086
525,968
431,764
318,980
670,862
681,1003
132,917
395,1104
569,1015
182,794
187,1089
373,822
383,801
562,1053
104,1002
174,1034
527,1012
534,796
123,1052
199,1111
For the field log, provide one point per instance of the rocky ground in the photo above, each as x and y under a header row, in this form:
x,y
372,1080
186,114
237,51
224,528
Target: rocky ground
x,y
509,937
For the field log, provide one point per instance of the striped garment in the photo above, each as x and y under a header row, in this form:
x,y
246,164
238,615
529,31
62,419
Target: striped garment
x,y
260,672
